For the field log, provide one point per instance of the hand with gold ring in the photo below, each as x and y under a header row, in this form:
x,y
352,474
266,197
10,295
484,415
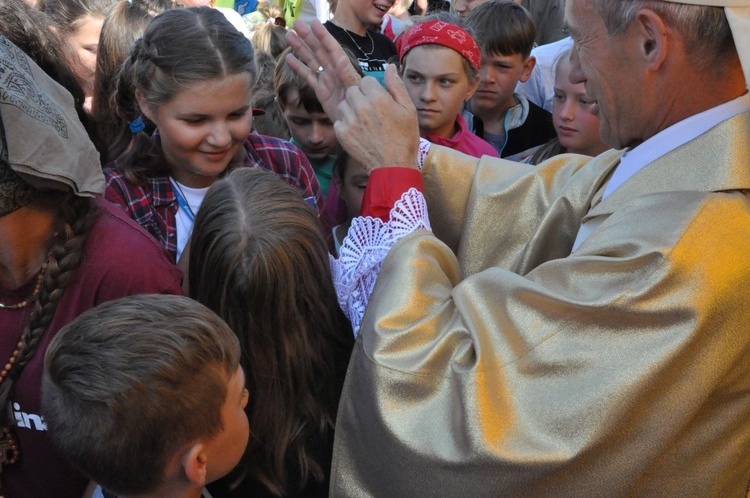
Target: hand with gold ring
x,y
312,48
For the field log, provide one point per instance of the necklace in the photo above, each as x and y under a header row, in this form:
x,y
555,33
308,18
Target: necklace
x,y
182,201
34,295
9,451
372,42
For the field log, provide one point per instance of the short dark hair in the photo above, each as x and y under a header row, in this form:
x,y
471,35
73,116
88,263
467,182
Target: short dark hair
x,y
131,382
502,27
286,80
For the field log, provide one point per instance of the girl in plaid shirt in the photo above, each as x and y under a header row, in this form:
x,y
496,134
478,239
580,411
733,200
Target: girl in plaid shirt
x,y
191,75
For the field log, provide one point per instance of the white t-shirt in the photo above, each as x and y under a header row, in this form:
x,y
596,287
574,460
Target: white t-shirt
x,y
184,223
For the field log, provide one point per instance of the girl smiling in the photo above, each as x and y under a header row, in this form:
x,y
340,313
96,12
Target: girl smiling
x,y
191,75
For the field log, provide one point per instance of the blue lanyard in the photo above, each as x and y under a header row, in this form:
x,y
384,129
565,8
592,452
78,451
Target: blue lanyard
x,y
183,204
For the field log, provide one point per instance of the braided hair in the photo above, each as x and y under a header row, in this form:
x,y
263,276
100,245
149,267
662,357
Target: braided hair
x,y
75,216
179,48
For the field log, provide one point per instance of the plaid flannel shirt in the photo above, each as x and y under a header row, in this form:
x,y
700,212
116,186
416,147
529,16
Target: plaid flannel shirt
x,y
154,205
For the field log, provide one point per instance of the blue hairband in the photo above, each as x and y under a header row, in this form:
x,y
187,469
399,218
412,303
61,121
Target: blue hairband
x,y
137,125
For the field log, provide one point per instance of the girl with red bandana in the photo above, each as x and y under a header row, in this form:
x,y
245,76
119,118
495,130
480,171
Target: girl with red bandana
x,y
440,69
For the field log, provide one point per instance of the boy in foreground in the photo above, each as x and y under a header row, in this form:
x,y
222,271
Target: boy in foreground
x,y
145,396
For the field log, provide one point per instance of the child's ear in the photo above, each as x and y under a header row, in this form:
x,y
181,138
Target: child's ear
x,y
145,108
195,463
473,85
339,183
528,67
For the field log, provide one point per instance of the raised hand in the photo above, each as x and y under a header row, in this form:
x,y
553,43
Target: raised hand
x,y
378,126
323,63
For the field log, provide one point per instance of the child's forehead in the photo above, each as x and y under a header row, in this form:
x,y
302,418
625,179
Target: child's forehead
x,y
444,58
488,57
294,105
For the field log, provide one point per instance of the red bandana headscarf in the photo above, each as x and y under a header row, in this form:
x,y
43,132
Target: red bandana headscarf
x,y
439,33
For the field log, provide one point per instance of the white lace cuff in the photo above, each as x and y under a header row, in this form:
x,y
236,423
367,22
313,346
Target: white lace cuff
x,y
366,246
424,149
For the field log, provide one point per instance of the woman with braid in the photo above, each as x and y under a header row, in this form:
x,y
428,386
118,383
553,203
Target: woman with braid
x,y
63,250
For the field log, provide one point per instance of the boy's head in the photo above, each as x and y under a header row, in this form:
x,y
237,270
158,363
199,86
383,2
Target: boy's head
x,y
505,34
308,124
145,393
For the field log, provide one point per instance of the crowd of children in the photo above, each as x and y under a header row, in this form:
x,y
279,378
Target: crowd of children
x,y
197,191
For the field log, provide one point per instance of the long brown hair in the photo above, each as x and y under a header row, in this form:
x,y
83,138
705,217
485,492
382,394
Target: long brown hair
x,y
258,258
124,24
180,47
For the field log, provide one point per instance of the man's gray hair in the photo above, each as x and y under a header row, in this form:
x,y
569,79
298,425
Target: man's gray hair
x,y
705,29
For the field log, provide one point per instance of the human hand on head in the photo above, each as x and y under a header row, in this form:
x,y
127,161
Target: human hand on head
x,y
378,126
320,60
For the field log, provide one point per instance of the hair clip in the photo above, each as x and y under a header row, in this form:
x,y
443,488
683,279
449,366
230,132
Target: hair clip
x,y
137,125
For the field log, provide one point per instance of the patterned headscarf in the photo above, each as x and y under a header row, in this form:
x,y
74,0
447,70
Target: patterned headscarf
x,y
43,144
439,33
14,192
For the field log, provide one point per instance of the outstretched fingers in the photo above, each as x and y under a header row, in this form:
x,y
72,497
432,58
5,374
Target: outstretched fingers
x,y
320,60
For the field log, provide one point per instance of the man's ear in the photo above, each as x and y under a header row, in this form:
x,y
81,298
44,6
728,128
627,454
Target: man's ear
x,y
145,108
194,463
528,67
653,38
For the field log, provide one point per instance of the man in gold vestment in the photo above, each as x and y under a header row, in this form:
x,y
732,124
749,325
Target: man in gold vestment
x,y
575,329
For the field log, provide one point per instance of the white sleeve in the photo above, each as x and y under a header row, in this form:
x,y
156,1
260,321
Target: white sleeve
x,y
365,248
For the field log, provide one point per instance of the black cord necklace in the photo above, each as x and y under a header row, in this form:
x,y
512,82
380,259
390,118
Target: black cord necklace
x,y
372,42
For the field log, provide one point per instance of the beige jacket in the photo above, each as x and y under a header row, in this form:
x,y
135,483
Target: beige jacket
x,y
518,369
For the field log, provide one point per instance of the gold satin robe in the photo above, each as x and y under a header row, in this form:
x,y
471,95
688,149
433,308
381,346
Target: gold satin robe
x,y
519,369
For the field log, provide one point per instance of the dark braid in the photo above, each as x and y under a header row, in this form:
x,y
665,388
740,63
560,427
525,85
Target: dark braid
x,y
76,215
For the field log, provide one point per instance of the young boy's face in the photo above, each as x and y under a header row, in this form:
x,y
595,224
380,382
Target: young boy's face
x,y
225,449
313,132
498,78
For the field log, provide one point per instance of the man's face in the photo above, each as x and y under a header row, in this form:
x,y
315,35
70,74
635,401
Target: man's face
x,y
608,67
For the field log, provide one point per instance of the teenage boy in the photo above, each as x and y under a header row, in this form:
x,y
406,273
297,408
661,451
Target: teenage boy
x,y
351,27
505,34
145,396
311,130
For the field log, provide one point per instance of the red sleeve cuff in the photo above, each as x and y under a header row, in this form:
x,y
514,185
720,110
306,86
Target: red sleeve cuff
x,y
385,187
